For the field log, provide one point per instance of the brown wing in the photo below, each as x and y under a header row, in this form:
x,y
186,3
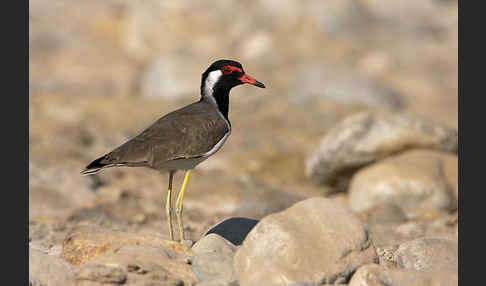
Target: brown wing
x,y
188,132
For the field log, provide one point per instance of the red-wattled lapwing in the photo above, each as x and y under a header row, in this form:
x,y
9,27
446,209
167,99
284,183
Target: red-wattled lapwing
x,y
185,137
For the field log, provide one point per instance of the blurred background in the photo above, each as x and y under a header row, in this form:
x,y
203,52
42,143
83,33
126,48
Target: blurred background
x,y
102,71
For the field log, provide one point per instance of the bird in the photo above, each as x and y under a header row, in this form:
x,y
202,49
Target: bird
x,y
183,138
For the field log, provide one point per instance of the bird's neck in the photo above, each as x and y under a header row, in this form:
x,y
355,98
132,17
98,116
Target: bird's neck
x,y
217,96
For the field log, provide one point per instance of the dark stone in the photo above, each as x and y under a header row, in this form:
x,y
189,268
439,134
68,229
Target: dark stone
x,y
233,229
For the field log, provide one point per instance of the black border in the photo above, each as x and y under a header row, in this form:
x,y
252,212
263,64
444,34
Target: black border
x,y
460,91
15,142
16,135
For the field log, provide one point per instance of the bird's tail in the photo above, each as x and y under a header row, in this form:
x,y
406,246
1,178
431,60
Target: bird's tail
x,y
95,166
106,162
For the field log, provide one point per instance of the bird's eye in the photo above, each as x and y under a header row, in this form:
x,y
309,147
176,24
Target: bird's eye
x,y
226,70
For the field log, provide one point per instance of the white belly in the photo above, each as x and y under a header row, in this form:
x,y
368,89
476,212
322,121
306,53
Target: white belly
x,y
181,164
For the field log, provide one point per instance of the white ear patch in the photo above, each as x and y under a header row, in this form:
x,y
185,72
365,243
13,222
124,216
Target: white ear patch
x,y
211,80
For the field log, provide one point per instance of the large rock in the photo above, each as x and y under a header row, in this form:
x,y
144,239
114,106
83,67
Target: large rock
x,y
138,265
381,214
368,136
87,242
429,254
418,181
111,256
390,235
388,226
344,86
420,262
377,275
101,273
314,241
381,222
214,259
49,270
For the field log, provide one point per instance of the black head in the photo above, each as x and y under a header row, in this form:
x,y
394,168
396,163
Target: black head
x,y
219,78
226,74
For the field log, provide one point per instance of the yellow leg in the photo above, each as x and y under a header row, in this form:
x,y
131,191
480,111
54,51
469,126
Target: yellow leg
x,y
168,208
180,197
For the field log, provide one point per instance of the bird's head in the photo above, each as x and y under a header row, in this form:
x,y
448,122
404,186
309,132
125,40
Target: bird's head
x,y
224,75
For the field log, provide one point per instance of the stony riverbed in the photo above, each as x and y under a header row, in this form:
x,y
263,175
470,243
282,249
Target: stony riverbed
x,y
344,170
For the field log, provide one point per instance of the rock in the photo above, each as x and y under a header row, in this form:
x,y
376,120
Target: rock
x,y
386,255
214,259
47,236
368,136
382,221
314,241
369,274
233,229
385,235
86,242
377,275
420,182
86,99
429,254
388,226
147,265
424,261
214,283
102,273
143,259
411,229
213,242
49,270
444,226
387,213
280,284
344,86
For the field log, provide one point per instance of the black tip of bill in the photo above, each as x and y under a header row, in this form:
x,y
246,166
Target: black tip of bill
x,y
259,84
